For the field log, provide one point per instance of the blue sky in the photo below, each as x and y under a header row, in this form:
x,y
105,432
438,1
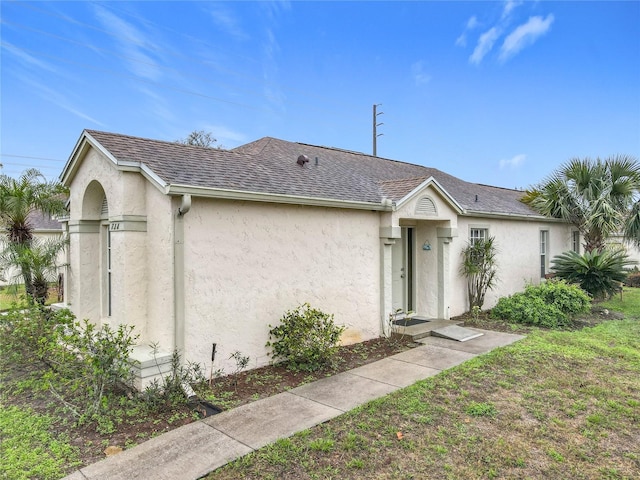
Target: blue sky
x,y
498,93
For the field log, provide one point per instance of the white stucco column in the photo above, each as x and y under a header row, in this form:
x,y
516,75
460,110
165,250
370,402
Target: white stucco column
x,y
128,271
82,293
445,237
388,236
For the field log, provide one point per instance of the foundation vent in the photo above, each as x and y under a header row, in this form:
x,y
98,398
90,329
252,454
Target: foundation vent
x,y
425,206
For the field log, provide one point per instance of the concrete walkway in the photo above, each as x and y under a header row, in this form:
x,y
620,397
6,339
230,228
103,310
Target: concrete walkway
x,y
192,451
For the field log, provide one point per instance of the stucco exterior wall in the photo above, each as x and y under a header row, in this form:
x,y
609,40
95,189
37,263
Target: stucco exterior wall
x,y
518,258
159,274
248,263
632,252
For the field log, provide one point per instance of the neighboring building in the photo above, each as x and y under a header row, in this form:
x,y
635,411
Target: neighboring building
x,y
196,246
44,228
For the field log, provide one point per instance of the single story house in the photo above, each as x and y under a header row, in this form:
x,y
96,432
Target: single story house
x,y
195,246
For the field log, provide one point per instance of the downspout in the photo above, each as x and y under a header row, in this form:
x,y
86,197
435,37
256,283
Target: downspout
x,y
178,274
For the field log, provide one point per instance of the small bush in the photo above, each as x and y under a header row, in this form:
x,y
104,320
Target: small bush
x,y
569,299
528,310
86,363
90,363
306,338
33,332
551,305
169,391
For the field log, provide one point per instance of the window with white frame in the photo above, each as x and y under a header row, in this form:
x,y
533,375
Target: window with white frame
x,y
544,252
476,234
108,272
575,241
106,259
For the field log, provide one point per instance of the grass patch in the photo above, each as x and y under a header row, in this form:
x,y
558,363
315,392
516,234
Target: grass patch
x,y
15,294
628,302
554,405
28,450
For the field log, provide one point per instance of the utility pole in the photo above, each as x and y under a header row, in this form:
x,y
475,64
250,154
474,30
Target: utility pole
x,y
375,128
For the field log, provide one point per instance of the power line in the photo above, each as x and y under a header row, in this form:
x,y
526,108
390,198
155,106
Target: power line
x,y
31,158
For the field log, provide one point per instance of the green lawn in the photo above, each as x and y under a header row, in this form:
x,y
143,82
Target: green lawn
x,y
555,405
14,294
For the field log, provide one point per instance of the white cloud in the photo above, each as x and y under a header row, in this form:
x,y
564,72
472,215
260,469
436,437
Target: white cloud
x,y
525,35
420,77
472,23
58,99
484,45
27,59
461,41
227,21
134,44
270,70
509,5
514,162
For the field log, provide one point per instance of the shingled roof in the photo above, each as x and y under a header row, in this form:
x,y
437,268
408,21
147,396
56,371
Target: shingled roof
x,y
42,222
269,166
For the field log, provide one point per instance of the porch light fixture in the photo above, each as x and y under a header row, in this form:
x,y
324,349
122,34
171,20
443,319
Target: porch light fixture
x,y
426,245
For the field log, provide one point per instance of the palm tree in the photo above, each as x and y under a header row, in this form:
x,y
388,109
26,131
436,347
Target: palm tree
x,y
600,197
41,260
20,199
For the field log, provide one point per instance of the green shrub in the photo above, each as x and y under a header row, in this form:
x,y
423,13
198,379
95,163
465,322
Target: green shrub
x,y
306,338
168,392
91,362
86,363
529,310
599,273
33,332
569,299
551,304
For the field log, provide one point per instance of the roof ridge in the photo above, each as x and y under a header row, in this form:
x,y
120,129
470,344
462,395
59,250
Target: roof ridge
x,y
354,152
404,179
501,188
155,140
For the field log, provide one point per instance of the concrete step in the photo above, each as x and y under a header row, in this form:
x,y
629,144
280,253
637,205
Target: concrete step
x,y
423,330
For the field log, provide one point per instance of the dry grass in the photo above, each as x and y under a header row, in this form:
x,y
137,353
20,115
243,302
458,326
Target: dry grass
x,y
555,405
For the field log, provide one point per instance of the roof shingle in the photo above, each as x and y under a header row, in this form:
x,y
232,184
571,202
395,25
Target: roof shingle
x,y
268,165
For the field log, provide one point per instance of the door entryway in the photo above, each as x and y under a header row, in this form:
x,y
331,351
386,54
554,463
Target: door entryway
x,y
402,271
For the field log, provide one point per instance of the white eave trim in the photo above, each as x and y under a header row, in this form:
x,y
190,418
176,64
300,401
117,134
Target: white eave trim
x,y
227,194
438,188
520,216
